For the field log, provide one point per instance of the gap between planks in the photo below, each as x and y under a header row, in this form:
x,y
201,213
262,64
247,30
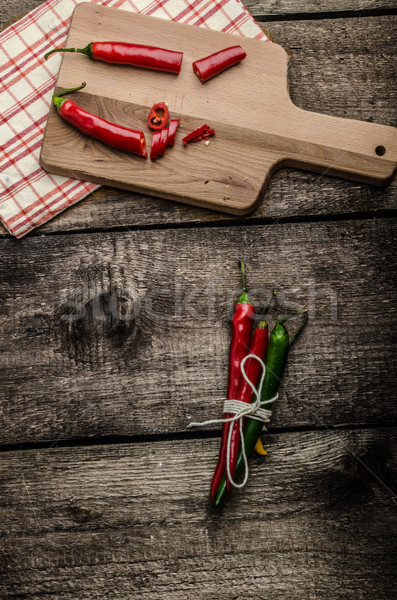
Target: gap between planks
x,y
115,440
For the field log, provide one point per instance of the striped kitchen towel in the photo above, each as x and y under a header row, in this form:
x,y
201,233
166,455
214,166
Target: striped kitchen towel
x,y
29,196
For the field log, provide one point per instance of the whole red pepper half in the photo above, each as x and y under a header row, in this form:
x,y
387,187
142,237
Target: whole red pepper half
x,y
253,370
116,136
158,116
210,66
242,322
135,55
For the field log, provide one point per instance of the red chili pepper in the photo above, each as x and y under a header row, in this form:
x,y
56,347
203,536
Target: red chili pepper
x,y
95,127
242,322
154,151
163,141
244,393
158,116
212,65
201,133
159,143
135,55
173,126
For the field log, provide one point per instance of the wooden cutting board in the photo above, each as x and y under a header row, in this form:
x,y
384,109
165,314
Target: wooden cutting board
x,y
258,128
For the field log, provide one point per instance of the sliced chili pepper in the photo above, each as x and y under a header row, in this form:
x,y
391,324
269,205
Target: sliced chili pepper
x,y
201,133
97,128
173,126
159,143
212,65
158,116
242,322
135,55
244,392
156,139
163,141
276,361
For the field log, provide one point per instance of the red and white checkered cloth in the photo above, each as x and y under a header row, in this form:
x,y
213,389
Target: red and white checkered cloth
x,y
30,196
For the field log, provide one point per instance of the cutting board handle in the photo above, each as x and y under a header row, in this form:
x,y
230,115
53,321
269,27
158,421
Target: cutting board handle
x,y
347,148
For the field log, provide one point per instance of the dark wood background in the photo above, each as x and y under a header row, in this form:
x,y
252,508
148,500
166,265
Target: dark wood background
x,y
115,335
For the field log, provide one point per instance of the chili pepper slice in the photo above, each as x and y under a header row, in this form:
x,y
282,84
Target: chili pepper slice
x,y
154,151
210,66
201,133
116,136
173,126
158,116
276,361
242,322
244,392
135,55
163,141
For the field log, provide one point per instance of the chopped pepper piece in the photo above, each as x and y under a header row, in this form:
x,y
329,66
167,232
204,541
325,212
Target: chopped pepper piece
x,y
154,151
158,116
163,141
173,126
212,65
201,133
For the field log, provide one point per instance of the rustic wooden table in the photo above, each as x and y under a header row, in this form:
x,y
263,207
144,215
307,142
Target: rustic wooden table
x,y
115,336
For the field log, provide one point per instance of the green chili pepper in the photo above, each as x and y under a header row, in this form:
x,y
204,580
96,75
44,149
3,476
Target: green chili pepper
x,y
276,361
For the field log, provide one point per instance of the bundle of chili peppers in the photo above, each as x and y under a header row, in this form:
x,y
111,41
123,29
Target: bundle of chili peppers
x,y
273,351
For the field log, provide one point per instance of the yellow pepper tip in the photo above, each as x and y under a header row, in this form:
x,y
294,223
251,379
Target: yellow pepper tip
x,y
259,449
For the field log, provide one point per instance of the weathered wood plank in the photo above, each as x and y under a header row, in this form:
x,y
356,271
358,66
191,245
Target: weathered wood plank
x,y
127,333
322,64
12,11
261,8
315,520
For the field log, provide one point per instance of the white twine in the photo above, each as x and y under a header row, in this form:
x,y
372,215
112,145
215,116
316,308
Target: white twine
x,y
240,409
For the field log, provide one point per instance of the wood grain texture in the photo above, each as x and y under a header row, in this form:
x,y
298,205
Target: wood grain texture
x,y
11,11
321,69
132,522
232,173
102,331
260,8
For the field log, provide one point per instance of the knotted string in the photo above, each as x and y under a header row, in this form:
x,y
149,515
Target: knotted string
x,y
254,410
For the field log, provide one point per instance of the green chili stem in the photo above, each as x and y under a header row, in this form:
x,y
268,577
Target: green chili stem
x,y
87,51
298,329
57,100
70,90
267,308
242,269
286,317
243,299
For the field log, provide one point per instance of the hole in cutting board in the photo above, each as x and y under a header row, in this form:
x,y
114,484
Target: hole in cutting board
x,y
380,150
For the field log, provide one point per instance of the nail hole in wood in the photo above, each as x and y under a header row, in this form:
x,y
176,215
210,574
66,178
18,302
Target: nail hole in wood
x,y
380,150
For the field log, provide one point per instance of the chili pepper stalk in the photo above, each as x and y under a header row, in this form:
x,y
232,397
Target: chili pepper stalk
x,y
276,361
